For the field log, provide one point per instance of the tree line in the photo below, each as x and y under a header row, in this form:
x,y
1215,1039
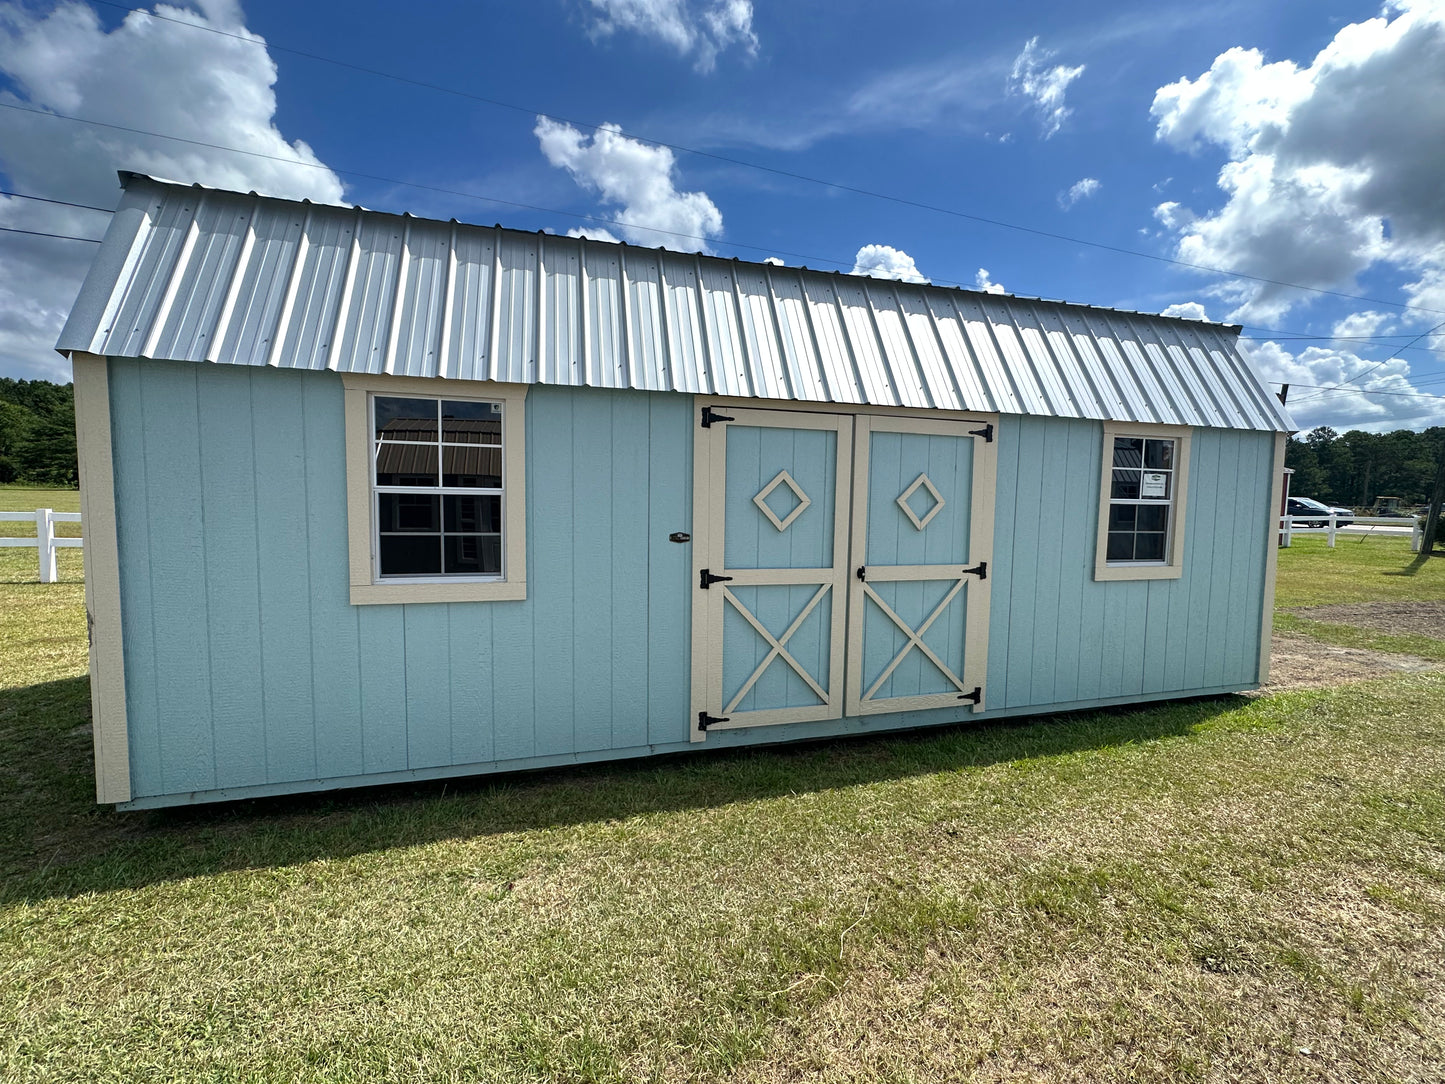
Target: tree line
x,y
1352,469
37,433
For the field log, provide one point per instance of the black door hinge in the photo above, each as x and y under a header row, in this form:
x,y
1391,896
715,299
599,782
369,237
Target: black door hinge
x,y
976,696
709,415
708,579
704,720
862,573
986,432
980,570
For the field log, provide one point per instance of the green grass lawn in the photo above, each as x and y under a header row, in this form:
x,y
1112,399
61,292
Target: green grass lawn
x,y
1358,569
1232,889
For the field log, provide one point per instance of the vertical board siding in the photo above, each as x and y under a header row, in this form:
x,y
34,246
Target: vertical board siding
x,y
246,663
132,532
670,421
278,425
1057,636
247,666
178,579
228,507
335,627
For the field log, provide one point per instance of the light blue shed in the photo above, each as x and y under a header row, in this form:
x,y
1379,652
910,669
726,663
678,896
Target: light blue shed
x,y
372,498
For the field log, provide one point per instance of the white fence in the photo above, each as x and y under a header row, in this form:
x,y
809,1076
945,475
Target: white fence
x,y
45,539
1359,525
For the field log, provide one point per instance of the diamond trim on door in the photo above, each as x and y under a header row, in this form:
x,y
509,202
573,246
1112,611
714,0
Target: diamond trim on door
x,y
783,478
938,501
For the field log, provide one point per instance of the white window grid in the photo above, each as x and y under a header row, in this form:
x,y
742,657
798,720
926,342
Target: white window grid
x,y
439,490
1149,502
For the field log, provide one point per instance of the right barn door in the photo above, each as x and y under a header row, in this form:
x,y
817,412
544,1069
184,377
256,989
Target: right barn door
x,y
922,537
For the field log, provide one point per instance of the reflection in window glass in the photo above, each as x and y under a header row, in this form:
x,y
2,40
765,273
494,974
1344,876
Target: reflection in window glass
x,y
405,419
438,486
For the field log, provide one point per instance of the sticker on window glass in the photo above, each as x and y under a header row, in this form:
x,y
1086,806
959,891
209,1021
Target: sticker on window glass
x,y
1155,486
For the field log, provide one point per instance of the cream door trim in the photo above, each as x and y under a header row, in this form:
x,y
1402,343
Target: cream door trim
x,y
709,607
980,547
109,725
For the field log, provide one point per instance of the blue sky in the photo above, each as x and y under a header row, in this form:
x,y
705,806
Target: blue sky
x,y
1299,142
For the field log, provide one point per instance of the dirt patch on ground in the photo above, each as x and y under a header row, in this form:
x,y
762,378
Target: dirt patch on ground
x,y
1299,663
1391,618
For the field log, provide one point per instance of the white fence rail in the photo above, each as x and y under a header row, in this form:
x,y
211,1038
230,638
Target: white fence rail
x,y
1360,525
45,539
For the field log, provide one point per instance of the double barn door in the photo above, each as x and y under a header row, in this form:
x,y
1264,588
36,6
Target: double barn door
x,y
841,565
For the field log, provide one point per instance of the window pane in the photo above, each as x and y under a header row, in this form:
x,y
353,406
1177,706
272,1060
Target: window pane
x,y
471,467
465,422
1153,517
474,554
1122,517
405,419
1148,547
410,554
408,512
1125,486
1159,454
1121,547
473,514
1128,451
406,465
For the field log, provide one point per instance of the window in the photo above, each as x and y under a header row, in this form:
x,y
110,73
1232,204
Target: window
x,y
1141,506
435,490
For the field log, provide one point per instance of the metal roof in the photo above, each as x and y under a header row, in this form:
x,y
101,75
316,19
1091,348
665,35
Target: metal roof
x,y
195,274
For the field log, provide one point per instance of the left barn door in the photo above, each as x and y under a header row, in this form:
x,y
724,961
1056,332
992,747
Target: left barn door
x,y
771,567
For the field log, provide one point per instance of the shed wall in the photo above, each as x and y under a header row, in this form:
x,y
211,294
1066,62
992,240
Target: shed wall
x,y
246,666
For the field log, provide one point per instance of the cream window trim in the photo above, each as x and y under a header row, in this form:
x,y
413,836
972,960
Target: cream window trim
x,y
361,531
1173,568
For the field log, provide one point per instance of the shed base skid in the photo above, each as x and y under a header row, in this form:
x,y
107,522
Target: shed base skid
x,y
762,738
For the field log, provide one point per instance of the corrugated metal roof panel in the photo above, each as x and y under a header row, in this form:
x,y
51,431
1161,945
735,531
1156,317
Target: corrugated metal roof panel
x,y
193,274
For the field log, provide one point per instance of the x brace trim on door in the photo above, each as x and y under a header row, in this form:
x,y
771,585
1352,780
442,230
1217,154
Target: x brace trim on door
x,y
915,637
778,648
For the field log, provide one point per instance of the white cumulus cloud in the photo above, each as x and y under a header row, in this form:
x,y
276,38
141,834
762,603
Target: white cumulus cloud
x,y
146,74
886,262
1080,189
1316,368
1186,310
982,281
1044,85
1332,166
636,178
700,29
592,233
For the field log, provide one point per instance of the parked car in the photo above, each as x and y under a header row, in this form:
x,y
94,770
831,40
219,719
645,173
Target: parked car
x,y
1312,513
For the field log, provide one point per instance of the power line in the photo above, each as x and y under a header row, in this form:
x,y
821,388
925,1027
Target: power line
x,y
1324,388
427,187
870,193
57,236
58,202
1378,364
